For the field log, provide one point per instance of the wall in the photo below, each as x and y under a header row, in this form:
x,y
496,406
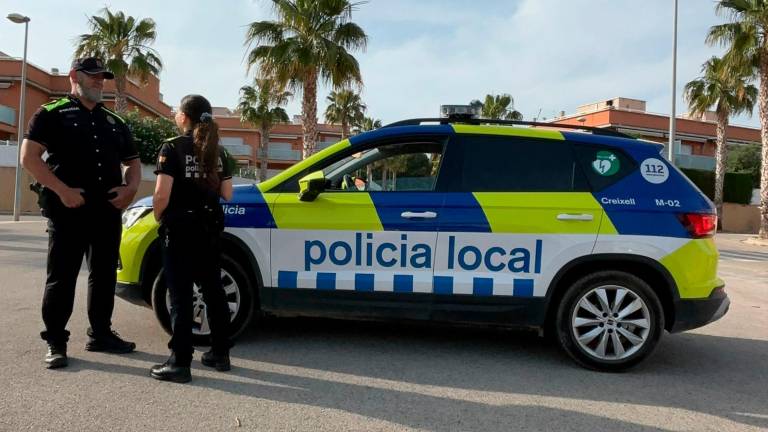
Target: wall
x,y
738,218
7,188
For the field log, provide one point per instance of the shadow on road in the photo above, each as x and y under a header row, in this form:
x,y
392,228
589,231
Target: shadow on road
x,y
719,376
404,408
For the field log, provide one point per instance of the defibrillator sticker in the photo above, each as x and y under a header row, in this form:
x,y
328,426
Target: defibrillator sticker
x,y
654,171
606,163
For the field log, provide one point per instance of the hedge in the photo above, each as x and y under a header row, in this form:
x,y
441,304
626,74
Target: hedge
x,y
736,189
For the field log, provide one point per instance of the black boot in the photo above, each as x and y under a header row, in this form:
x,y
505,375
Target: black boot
x,y
171,371
108,342
56,356
219,361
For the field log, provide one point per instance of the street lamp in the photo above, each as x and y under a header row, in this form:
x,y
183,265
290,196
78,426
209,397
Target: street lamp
x,y
671,149
19,19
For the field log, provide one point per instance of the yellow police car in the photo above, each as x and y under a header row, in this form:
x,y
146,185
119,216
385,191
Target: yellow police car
x,y
589,234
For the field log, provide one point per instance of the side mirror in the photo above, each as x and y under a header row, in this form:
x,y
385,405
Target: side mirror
x,y
311,185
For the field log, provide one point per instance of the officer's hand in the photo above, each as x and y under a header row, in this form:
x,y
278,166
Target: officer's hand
x,y
123,198
72,197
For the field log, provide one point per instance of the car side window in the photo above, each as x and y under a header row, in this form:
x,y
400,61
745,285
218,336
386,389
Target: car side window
x,y
603,166
512,164
397,167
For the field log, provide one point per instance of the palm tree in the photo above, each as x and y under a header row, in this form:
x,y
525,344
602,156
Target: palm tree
x,y
746,37
729,94
308,41
345,108
369,124
497,107
260,106
123,44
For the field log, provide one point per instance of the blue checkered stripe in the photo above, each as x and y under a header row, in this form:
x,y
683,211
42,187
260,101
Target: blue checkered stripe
x,y
404,283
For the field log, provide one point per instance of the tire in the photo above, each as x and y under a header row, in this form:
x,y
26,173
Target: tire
x,y
240,293
610,341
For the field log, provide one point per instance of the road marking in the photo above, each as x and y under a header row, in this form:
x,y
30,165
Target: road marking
x,y
746,256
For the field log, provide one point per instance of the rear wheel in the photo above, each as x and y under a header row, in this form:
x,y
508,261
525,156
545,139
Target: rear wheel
x,y
609,321
240,294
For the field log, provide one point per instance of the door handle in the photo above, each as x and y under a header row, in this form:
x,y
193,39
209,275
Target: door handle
x,y
575,217
423,215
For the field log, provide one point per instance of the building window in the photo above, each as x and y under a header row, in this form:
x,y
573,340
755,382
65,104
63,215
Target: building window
x,y
227,141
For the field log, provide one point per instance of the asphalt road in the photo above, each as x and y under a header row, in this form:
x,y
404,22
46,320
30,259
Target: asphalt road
x,y
302,374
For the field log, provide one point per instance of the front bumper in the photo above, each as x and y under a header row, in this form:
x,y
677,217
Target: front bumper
x,y
690,314
131,293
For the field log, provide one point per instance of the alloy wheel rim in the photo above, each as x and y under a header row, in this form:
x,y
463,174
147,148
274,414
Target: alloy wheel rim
x,y
611,322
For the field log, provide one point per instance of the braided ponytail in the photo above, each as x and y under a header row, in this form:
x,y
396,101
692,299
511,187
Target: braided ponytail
x,y
205,136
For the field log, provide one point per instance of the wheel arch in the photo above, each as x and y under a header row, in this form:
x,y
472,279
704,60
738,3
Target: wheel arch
x,y
230,244
239,251
650,271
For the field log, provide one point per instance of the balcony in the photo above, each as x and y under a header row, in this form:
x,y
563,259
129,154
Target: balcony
x,y
7,115
283,154
239,149
706,163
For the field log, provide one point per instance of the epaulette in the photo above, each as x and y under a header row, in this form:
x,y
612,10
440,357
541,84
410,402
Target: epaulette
x,y
172,140
50,106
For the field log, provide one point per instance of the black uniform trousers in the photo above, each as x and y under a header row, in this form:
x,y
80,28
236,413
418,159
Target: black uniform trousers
x,y
192,254
93,231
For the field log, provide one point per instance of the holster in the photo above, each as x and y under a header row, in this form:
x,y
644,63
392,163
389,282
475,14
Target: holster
x,y
47,200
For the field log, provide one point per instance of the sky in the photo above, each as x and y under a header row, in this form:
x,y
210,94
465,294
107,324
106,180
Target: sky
x,y
550,55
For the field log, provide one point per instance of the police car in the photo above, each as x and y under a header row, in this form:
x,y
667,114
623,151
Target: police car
x,y
588,234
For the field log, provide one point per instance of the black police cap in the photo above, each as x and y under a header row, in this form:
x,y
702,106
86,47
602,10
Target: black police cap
x,y
92,66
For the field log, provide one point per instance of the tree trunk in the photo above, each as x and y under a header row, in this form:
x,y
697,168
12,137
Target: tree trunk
x,y
309,114
121,104
263,153
763,104
344,129
720,155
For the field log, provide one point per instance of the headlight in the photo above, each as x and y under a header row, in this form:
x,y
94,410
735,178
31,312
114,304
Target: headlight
x,y
133,214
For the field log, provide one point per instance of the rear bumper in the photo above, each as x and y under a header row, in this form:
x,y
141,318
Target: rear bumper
x,y
131,293
690,314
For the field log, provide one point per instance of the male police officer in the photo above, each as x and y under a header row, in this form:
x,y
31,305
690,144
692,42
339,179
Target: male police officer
x,y
82,196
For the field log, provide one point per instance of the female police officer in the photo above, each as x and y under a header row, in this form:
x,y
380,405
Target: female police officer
x,y
192,174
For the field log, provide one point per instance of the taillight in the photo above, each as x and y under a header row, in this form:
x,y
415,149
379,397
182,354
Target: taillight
x,y
699,225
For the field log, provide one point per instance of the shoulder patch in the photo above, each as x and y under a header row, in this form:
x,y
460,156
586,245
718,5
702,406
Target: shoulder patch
x,y
50,106
113,114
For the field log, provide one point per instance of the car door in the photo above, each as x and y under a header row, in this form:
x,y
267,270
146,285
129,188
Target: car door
x,y
528,211
365,245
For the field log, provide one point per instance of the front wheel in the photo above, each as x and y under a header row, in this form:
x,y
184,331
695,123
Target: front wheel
x,y
240,294
609,321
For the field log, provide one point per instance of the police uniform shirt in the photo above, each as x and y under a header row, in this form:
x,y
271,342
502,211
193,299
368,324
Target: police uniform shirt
x,y
85,147
189,192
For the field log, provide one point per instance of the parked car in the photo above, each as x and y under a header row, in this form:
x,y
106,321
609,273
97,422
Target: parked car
x,y
588,234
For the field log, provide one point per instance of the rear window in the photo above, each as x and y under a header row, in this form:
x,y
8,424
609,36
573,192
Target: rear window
x,y
602,165
511,164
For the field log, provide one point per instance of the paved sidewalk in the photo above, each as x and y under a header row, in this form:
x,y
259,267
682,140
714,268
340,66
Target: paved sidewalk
x,y
748,242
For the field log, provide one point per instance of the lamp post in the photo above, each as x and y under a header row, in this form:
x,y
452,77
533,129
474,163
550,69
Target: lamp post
x,y
20,19
671,149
